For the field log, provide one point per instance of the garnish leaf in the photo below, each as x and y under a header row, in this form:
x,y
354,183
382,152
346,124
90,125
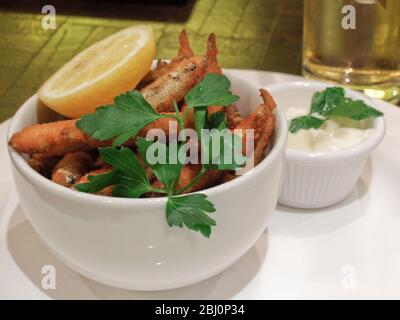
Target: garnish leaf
x,y
124,160
128,176
217,121
305,122
213,90
123,120
229,143
324,102
332,102
356,110
200,119
126,117
123,191
168,173
99,182
191,211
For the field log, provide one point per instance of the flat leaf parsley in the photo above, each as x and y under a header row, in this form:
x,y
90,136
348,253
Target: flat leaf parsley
x,y
123,120
332,102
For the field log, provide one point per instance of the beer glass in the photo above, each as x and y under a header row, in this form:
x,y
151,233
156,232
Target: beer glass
x,y
355,43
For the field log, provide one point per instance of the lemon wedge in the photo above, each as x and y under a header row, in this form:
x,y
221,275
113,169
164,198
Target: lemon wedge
x,y
101,72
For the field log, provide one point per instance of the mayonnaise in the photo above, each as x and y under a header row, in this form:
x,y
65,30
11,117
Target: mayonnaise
x,y
336,133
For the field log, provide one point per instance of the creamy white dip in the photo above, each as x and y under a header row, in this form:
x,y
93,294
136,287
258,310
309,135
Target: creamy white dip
x,y
336,133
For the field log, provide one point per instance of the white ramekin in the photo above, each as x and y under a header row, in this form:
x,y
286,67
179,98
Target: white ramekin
x,y
126,242
315,180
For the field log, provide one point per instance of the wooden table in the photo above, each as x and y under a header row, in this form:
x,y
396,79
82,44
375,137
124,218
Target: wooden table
x,y
252,34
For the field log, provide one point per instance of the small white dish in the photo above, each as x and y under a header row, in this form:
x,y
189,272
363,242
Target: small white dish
x,y
312,179
127,243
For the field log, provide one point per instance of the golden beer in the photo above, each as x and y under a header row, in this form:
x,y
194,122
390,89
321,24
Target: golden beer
x,y
355,43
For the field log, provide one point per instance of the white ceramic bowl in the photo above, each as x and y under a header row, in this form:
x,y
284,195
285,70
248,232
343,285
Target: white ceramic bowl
x,y
126,242
315,180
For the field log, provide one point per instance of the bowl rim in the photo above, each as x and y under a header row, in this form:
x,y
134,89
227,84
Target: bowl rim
x,y
20,163
358,150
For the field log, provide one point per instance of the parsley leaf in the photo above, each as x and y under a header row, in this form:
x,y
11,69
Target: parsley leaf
x,y
168,173
123,120
191,210
356,110
99,182
305,122
213,90
324,102
217,121
200,119
128,174
329,103
229,143
123,191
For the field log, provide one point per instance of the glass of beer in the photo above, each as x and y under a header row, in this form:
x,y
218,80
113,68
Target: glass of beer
x,y
355,43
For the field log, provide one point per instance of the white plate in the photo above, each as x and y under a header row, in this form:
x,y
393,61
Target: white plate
x,y
351,250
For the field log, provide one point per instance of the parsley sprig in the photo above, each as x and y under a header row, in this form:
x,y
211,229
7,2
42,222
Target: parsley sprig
x,y
332,102
126,117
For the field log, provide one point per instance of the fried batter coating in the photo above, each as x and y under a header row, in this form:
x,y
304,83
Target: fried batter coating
x,y
173,86
213,65
188,173
233,117
228,176
71,168
43,164
99,162
263,122
54,138
185,52
161,69
210,178
165,124
61,137
107,191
